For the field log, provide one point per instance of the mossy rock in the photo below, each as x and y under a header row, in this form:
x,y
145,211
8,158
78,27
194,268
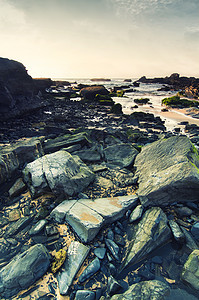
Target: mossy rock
x,y
142,100
176,101
59,259
116,109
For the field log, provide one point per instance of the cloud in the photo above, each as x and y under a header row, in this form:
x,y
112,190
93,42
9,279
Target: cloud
x,y
11,17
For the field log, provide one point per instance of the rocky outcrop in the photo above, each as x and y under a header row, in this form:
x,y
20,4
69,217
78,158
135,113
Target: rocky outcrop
x,y
174,80
23,270
168,171
59,172
87,216
152,232
18,93
148,290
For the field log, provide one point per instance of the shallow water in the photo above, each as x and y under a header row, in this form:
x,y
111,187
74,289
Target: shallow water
x,y
172,118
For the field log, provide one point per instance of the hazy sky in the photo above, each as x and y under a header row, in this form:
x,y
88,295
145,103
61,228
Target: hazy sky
x,y
101,38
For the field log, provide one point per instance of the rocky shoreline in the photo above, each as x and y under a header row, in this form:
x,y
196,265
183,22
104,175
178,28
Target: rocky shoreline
x,y
96,204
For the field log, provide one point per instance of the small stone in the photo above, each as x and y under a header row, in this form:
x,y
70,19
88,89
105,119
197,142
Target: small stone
x,y
113,248
112,269
118,230
51,230
14,215
184,211
177,233
37,227
85,295
17,226
119,240
92,268
100,252
113,286
18,187
136,214
110,235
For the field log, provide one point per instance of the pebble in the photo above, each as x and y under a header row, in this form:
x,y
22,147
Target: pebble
x,y
91,269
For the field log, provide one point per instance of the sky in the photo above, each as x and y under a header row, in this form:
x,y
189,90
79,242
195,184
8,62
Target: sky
x,y
101,38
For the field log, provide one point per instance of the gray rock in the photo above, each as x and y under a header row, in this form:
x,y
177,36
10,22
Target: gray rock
x,y
60,173
85,295
190,272
77,253
113,208
85,221
18,187
113,248
152,232
65,141
88,216
122,155
177,232
100,252
37,227
195,231
168,171
184,211
90,270
59,212
190,243
136,214
23,270
17,226
16,155
88,155
113,286
6,247
145,290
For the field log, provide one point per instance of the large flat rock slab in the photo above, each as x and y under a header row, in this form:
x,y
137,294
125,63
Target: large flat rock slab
x,y
59,172
23,270
76,255
168,171
153,231
87,216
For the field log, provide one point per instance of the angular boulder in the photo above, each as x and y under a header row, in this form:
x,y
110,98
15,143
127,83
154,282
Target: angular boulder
x,y
18,92
190,273
168,171
87,216
17,154
152,232
153,289
59,172
23,270
120,154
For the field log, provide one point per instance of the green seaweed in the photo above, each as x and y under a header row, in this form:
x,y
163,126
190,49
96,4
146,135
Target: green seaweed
x,y
176,101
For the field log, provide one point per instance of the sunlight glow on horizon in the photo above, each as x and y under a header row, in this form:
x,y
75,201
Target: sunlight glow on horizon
x,y
109,39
